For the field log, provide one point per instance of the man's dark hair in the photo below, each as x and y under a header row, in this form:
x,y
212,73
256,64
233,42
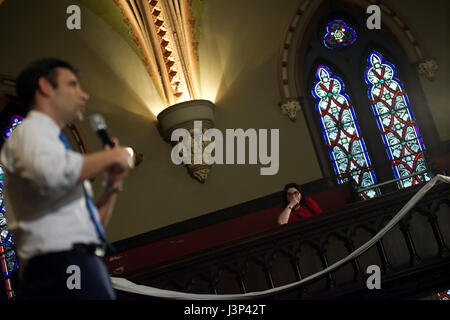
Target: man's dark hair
x,y
284,201
28,79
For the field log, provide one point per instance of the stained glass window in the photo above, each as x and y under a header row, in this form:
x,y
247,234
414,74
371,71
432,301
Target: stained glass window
x,y
342,135
8,258
395,121
7,254
338,34
444,295
15,121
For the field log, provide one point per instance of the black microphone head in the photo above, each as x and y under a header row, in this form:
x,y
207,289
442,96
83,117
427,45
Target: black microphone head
x,y
97,122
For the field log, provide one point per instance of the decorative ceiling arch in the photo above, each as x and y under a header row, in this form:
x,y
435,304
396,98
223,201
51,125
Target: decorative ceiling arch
x,y
164,35
289,93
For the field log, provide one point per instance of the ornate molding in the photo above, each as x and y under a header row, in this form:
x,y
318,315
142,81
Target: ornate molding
x,y
160,30
290,107
165,36
287,46
199,172
7,85
427,68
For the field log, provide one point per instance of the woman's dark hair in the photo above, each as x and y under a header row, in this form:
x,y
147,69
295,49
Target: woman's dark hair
x,y
284,201
27,81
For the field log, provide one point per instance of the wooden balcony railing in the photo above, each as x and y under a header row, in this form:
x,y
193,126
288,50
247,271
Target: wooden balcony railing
x,y
414,256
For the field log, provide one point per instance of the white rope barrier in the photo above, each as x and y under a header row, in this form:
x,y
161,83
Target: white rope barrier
x,y
128,286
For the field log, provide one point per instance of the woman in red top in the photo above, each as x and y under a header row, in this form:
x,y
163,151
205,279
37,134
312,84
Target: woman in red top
x,y
296,205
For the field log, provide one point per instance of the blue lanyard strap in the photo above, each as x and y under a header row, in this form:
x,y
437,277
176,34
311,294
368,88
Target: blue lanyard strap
x,y
90,204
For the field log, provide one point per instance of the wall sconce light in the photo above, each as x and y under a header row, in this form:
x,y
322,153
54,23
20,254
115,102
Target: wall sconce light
x,y
183,115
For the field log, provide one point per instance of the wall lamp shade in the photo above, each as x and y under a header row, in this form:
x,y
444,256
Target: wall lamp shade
x,y
182,115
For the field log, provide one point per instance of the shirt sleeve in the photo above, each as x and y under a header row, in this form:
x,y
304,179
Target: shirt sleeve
x,y
43,159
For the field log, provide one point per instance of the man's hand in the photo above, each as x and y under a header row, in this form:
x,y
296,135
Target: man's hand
x,y
114,162
115,174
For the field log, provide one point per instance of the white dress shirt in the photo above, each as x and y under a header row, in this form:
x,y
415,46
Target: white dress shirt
x,y
45,207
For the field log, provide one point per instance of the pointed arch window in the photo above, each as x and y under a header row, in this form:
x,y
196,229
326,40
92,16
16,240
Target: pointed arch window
x,y
341,132
395,121
366,133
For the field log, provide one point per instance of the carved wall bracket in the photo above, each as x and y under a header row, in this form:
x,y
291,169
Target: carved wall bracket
x,y
427,68
290,107
182,116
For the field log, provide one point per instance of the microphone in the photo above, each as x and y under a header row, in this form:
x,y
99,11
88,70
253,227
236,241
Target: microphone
x,y
98,124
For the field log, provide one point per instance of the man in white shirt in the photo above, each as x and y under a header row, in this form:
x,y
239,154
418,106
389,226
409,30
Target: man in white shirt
x,y
56,227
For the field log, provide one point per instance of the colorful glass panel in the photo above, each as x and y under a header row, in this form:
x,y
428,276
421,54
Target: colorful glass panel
x,y
444,295
341,133
338,34
8,258
395,121
15,121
